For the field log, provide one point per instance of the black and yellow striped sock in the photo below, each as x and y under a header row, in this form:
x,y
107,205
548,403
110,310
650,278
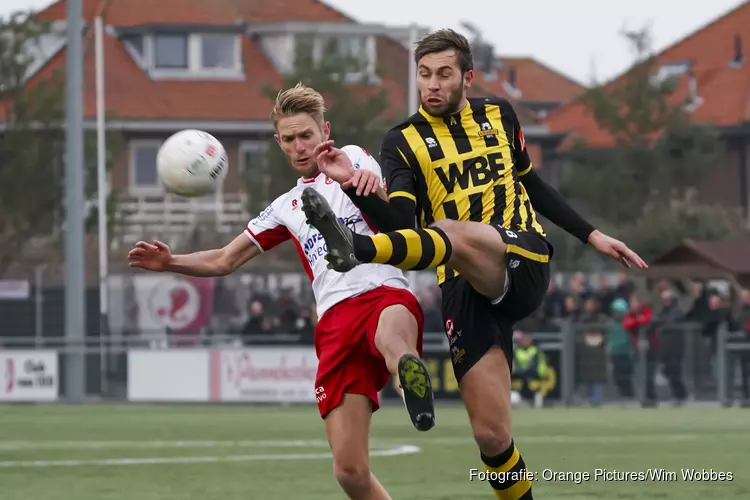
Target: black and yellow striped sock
x,y
512,481
407,249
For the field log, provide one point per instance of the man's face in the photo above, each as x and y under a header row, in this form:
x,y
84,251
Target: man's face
x,y
298,135
442,87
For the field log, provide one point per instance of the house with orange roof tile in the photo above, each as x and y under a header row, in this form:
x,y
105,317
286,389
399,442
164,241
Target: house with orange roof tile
x,y
176,64
713,78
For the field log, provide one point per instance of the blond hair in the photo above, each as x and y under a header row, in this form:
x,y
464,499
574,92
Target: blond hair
x,y
298,99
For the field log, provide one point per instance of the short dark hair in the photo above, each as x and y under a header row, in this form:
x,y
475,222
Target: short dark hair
x,y
446,39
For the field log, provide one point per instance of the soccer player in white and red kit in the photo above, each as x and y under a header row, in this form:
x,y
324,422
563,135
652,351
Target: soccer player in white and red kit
x,y
370,322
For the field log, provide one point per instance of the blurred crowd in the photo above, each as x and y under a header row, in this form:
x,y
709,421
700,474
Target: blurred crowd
x,y
616,320
623,315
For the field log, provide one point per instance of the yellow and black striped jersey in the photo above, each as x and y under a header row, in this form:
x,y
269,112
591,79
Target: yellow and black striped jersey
x,y
465,167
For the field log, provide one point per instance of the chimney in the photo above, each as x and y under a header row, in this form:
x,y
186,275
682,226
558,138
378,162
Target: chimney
x,y
738,58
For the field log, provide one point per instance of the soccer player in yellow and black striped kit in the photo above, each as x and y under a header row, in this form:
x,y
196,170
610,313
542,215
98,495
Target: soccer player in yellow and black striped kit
x,y
459,169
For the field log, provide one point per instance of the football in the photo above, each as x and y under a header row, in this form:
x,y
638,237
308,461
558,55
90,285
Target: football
x,y
191,163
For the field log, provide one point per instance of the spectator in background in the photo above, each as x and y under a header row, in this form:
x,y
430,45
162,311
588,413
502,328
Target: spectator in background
x,y
258,292
637,322
673,341
530,370
553,303
259,322
578,288
571,308
624,288
591,312
621,350
287,311
715,315
699,308
606,295
591,355
305,325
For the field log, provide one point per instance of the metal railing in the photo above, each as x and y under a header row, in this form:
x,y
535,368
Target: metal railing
x,y
707,374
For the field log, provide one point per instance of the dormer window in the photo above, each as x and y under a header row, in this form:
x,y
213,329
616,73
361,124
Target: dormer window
x,y
352,47
188,55
171,52
671,70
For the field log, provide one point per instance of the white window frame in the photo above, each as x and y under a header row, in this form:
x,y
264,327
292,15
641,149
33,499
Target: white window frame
x,y
134,188
195,67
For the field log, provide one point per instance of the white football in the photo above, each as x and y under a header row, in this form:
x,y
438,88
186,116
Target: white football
x,y
192,163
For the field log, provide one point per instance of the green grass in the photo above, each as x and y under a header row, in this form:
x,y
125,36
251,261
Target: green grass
x,y
560,440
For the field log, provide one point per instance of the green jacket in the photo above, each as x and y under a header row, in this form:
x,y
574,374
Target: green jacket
x,y
619,340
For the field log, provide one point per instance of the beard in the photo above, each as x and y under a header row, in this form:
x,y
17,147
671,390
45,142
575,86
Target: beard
x,y
449,107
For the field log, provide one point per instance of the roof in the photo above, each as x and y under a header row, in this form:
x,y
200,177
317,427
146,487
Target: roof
x,y
217,12
131,94
731,256
535,81
723,87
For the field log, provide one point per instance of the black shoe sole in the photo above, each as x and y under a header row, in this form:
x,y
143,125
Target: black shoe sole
x,y
319,214
415,383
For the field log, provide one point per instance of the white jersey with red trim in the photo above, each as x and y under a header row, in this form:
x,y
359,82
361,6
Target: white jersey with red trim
x,y
284,219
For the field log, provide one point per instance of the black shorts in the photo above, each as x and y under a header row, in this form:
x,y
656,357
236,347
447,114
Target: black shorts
x,y
473,324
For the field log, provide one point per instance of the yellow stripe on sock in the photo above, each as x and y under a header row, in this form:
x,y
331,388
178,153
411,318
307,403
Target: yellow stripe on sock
x,y
519,488
413,249
440,248
383,248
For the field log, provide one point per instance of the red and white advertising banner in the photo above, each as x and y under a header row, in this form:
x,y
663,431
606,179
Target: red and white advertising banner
x,y
29,376
264,375
178,304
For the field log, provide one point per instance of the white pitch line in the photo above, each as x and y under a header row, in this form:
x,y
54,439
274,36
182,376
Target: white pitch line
x,y
85,444
17,445
390,452
641,438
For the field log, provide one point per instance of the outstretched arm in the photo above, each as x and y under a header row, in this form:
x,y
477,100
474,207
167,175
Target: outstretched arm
x,y
262,234
218,262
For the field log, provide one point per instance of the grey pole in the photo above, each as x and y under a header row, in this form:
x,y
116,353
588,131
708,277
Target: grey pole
x,y
39,305
75,305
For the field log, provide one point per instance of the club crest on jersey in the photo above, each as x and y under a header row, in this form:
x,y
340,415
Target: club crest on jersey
x,y
295,203
487,130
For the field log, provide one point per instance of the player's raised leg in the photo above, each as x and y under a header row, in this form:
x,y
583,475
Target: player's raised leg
x,y
348,430
397,338
475,250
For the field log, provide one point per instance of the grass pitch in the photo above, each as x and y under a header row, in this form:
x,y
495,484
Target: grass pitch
x,y
126,452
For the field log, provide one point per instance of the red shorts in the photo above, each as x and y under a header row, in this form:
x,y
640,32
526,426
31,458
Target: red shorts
x,y
348,361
